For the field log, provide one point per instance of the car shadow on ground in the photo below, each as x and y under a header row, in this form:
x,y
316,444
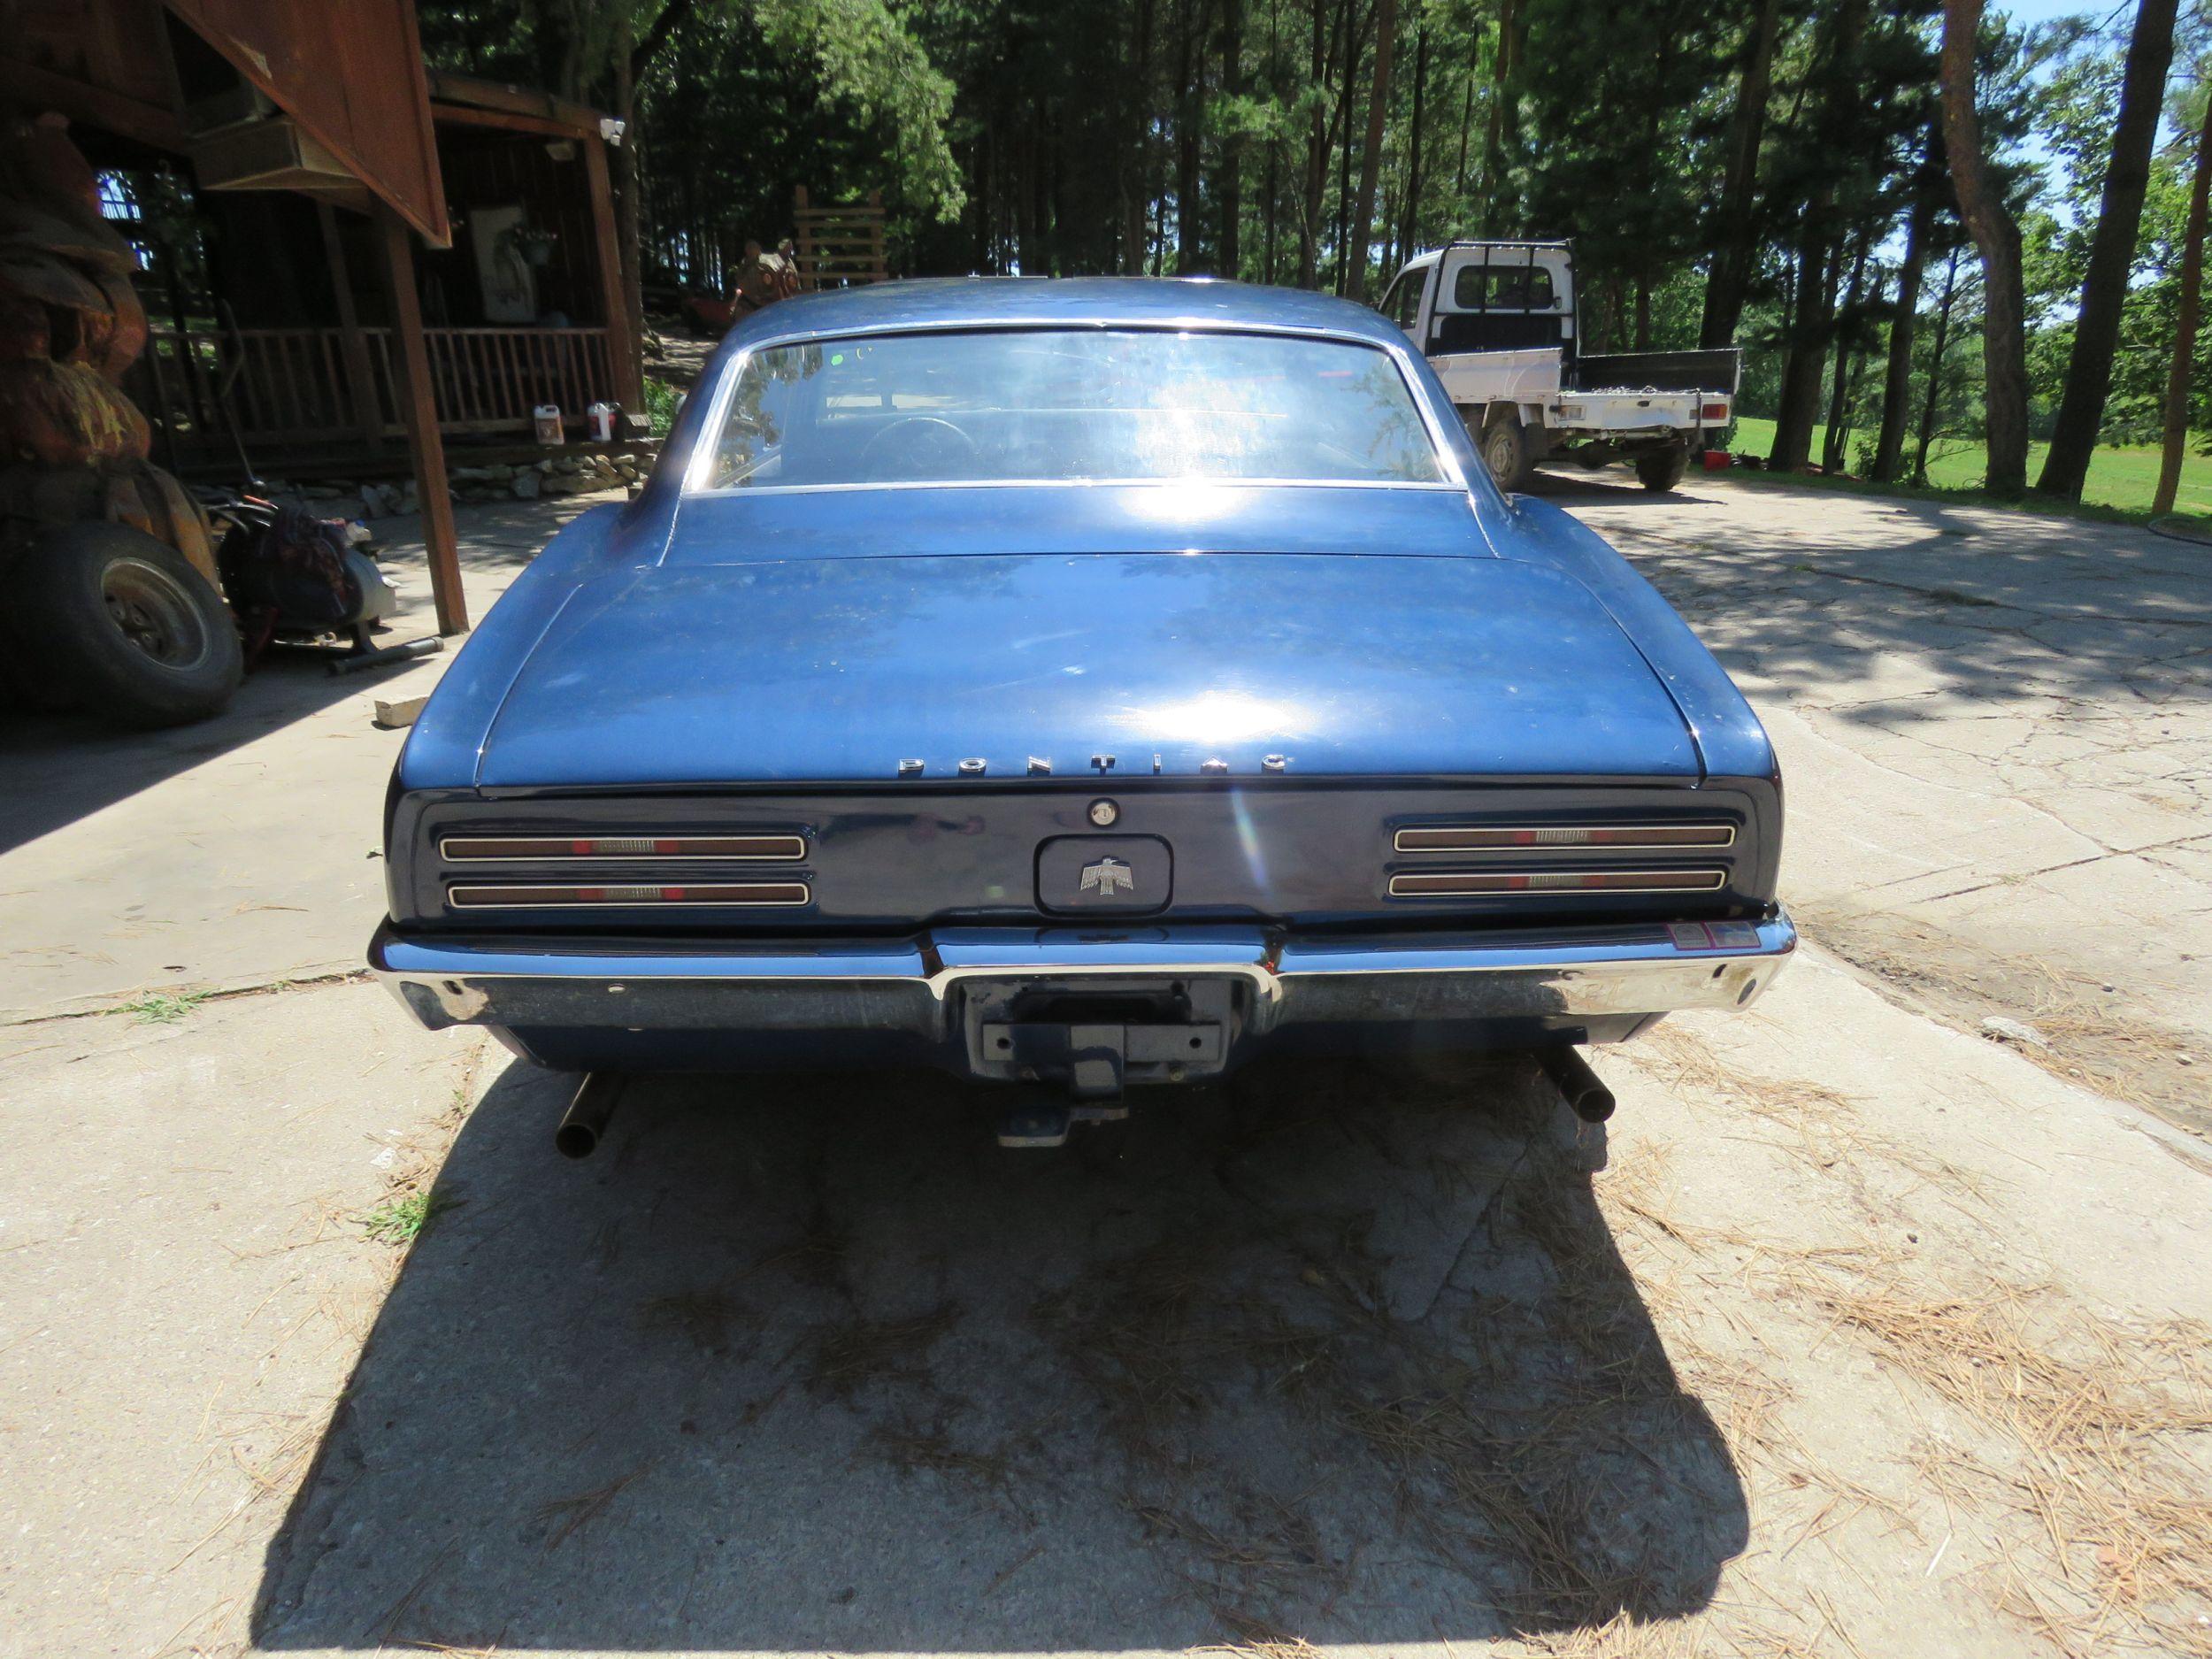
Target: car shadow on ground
x,y
1611,486
1336,1352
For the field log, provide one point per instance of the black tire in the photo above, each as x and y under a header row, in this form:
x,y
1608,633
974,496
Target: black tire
x,y
123,626
1505,451
1662,469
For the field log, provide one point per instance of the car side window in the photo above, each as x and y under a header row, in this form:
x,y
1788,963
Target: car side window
x,y
1402,305
1388,305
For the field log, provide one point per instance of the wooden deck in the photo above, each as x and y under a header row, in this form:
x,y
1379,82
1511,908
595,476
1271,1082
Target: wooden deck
x,y
312,388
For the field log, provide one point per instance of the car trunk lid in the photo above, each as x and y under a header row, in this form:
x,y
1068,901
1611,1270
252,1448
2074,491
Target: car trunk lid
x,y
835,670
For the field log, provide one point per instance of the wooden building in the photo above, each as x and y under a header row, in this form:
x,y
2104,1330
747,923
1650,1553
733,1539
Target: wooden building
x,y
523,309
393,257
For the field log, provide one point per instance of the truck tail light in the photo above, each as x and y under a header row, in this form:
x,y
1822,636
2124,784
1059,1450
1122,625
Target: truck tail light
x,y
1713,411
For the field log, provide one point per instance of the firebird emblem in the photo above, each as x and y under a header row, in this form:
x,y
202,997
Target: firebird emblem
x,y
1107,876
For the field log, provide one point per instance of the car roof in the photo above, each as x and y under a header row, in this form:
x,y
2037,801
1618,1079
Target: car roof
x,y
1084,302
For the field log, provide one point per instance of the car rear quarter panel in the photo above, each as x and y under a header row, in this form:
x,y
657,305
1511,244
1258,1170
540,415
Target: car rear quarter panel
x,y
1729,736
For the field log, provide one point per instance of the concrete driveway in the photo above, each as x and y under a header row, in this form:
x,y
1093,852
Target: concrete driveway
x,y
1996,730
1866,1334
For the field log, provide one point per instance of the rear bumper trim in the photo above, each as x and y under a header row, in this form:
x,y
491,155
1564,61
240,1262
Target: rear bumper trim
x,y
908,984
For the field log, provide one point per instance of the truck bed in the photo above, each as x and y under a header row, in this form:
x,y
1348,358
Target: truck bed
x,y
1714,370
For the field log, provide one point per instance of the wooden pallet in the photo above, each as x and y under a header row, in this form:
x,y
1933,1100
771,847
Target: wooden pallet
x,y
840,246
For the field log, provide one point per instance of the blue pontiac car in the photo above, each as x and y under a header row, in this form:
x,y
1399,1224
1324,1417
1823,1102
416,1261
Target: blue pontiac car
x,y
1075,684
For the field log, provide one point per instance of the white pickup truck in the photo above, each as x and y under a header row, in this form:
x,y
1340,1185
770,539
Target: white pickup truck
x,y
1500,323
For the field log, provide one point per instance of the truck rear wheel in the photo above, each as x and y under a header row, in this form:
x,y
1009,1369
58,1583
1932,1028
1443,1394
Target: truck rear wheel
x,y
1505,451
1662,470
120,624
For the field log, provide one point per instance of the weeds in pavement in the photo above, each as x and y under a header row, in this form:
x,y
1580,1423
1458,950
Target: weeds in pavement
x,y
405,1217
163,1008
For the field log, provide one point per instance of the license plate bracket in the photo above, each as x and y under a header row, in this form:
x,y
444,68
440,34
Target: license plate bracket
x,y
1097,1038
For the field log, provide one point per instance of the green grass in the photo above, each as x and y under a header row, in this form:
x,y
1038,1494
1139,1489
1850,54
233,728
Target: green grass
x,y
2121,479
163,1008
405,1217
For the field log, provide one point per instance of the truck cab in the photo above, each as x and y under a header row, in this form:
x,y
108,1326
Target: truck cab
x,y
1501,323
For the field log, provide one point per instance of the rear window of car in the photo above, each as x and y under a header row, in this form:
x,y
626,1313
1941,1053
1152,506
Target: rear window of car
x,y
1050,405
1502,289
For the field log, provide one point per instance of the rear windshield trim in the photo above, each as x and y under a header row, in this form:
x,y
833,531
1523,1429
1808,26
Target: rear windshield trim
x,y
700,465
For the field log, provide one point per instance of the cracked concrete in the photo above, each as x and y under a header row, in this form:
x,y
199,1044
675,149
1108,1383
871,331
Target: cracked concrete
x,y
1352,1355
1992,725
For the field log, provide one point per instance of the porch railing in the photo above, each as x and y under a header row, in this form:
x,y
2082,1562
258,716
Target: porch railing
x,y
301,387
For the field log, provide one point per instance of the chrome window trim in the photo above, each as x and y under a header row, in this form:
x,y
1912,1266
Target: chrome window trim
x,y
796,842
1684,881
1398,840
697,471
1200,480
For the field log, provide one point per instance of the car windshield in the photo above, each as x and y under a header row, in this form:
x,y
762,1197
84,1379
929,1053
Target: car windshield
x,y
1048,405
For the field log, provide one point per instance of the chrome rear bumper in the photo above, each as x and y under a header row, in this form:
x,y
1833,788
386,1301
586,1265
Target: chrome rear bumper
x,y
1554,977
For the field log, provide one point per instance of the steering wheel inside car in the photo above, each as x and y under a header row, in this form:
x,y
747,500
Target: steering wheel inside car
x,y
919,447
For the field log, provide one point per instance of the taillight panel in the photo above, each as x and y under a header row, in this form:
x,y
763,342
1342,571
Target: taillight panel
x,y
1308,853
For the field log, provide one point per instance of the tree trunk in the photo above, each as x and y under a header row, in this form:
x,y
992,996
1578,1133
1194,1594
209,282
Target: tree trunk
x,y
2119,216
1725,286
1997,239
1832,456
1370,153
1935,366
1136,165
1231,261
1466,118
1350,60
2187,312
1317,161
1808,355
1267,222
1889,443
1410,224
1500,126
1190,120
1820,250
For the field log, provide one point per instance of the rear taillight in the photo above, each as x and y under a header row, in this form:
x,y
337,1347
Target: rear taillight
x,y
1468,838
755,848
724,894
1445,884
1713,411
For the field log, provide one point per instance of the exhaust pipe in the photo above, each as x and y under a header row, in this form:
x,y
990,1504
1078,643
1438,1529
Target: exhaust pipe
x,y
586,1121
1581,1087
